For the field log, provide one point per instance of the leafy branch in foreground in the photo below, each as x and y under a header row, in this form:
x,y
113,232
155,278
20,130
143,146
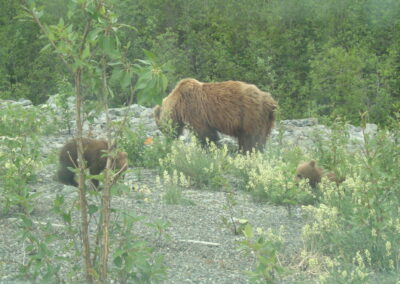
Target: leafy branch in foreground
x,y
88,44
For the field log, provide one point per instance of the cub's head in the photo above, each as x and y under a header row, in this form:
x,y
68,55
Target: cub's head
x,y
309,171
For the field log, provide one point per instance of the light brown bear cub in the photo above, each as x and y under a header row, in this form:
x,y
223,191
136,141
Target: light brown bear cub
x,y
94,156
234,108
310,171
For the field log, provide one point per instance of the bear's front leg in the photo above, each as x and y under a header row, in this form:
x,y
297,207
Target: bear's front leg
x,y
208,135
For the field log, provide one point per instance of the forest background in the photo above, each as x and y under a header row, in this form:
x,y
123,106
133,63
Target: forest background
x,y
332,57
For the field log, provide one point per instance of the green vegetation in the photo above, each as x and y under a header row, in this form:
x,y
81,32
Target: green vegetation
x,y
352,229
203,167
143,150
315,57
87,44
21,130
264,247
334,59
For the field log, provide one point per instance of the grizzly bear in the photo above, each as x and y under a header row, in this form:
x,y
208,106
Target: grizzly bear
x,y
94,155
314,174
234,108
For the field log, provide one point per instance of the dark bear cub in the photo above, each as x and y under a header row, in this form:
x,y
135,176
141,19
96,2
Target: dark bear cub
x,y
310,171
94,155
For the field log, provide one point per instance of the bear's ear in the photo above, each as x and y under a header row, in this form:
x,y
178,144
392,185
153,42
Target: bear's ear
x,y
312,163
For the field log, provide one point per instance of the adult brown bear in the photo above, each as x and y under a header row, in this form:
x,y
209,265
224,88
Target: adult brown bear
x,y
234,108
94,156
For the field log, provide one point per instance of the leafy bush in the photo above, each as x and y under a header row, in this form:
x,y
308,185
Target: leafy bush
x,y
133,259
264,247
204,167
17,121
20,154
143,150
361,216
20,159
174,184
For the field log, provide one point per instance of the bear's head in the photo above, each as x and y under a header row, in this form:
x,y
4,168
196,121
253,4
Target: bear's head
x,y
309,171
166,122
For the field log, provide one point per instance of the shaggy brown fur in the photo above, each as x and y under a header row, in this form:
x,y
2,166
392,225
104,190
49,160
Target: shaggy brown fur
x,y
310,171
94,156
232,107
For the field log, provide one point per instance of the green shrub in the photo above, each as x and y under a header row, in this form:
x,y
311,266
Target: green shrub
x,y
264,247
18,121
332,152
174,184
204,167
361,216
20,154
142,150
20,160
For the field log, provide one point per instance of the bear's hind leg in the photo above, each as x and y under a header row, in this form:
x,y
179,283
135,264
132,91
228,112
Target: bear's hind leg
x,y
260,143
246,143
66,176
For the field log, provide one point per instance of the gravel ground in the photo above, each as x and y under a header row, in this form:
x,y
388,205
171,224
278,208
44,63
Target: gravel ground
x,y
187,261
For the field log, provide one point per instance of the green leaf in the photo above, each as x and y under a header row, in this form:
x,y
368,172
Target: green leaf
x,y
67,217
129,27
86,52
94,34
164,83
92,209
248,231
126,80
118,261
27,222
143,80
145,62
45,48
117,74
118,253
150,55
116,63
61,23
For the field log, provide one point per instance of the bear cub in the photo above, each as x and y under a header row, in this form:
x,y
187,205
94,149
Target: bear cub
x,y
310,171
94,155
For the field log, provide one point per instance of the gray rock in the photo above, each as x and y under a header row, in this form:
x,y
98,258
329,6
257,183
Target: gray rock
x,y
300,122
371,129
23,102
147,113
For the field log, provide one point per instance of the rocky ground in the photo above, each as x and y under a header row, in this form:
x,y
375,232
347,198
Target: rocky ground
x,y
197,246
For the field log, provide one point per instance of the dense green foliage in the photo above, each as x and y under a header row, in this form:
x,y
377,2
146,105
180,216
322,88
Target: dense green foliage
x,y
331,57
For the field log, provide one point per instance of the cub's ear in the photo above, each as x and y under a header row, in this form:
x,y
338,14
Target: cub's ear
x,y
157,111
312,163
